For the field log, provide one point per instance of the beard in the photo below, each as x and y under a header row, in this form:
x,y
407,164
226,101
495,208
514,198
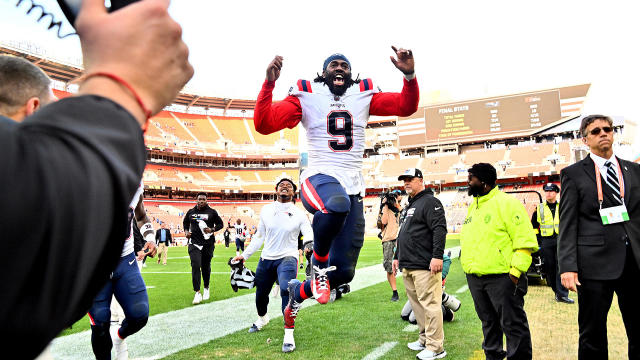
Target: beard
x,y
475,190
338,90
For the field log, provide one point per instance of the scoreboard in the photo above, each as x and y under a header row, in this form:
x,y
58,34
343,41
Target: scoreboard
x,y
486,118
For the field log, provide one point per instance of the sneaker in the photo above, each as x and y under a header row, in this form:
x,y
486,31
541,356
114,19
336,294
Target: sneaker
x,y
205,296
416,346
430,355
197,299
395,297
291,311
119,345
288,343
320,284
259,324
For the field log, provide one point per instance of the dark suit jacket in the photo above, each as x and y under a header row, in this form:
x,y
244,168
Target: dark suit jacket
x,y
167,236
585,245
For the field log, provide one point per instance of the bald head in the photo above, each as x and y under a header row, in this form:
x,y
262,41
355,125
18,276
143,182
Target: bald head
x,y
23,88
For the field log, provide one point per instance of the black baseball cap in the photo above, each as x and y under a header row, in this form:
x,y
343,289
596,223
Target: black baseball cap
x,y
410,174
551,187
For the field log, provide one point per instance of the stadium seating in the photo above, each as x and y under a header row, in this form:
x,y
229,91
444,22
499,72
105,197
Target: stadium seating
x,y
491,156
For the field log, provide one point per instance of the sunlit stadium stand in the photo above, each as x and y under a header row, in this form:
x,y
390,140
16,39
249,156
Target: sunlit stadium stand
x,y
202,143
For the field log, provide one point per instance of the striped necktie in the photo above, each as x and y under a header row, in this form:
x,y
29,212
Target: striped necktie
x,y
612,181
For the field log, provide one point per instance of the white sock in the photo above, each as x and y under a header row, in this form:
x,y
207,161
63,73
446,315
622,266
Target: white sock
x,y
264,319
288,337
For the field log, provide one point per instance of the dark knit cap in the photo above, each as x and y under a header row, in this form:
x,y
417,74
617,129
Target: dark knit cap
x,y
484,172
335,57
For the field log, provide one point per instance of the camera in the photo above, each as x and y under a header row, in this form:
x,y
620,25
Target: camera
x,y
450,302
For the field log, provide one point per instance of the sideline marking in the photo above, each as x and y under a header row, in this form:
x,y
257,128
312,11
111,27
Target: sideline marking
x,y
410,328
464,288
195,325
380,350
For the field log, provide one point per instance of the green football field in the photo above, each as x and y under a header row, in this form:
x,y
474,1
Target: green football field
x,y
363,324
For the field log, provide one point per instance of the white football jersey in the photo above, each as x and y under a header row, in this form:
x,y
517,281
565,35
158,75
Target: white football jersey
x,y
127,248
335,127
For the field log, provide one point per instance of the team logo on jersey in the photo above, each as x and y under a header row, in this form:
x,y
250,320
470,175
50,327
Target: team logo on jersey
x,y
201,216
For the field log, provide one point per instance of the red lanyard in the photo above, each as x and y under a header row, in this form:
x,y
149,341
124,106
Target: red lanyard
x,y
599,182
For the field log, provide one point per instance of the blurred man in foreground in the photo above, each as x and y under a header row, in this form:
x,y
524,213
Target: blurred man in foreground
x,y
81,160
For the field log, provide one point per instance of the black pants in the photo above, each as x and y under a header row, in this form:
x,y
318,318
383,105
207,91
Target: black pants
x,y
500,307
200,259
594,301
549,251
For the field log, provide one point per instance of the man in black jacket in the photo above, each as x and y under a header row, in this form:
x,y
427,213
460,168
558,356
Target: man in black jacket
x,y
79,161
421,240
599,240
200,223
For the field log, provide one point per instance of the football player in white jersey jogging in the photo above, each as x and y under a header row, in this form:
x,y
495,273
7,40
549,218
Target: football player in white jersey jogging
x,y
129,289
334,109
280,223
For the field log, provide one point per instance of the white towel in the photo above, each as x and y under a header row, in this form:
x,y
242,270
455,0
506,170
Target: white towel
x,y
203,225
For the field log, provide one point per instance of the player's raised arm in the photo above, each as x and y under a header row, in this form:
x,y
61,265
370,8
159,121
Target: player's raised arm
x,y
269,117
404,61
273,70
404,103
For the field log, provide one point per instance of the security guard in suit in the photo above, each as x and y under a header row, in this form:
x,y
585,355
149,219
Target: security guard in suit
x,y
546,223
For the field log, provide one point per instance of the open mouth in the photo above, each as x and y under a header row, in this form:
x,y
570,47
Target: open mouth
x,y
338,80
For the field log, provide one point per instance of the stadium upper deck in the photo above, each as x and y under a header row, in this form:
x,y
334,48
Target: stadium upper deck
x,y
210,144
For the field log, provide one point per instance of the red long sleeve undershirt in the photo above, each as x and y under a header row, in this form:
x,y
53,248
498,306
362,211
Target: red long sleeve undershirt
x,y
269,117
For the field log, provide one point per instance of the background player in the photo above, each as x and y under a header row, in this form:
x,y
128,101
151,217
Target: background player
x,y
238,228
128,287
334,110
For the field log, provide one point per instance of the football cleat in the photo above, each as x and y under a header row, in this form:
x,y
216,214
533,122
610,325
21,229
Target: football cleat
x,y
288,343
259,324
119,345
291,311
320,284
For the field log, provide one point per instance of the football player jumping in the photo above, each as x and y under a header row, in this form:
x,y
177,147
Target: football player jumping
x,y
334,109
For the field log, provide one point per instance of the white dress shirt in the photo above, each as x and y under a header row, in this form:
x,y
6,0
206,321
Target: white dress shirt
x,y
600,161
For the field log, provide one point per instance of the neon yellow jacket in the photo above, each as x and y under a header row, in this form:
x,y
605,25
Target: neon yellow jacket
x,y
497,236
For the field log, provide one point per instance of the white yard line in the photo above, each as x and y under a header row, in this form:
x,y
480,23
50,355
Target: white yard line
x,y
464,288
380,350
185,328
410,328
195,325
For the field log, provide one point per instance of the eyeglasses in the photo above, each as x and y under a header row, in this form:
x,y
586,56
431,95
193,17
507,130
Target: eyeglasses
x,y
596,131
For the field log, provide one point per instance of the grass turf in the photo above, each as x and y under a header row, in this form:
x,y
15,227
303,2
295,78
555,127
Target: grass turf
x,y
362,320
170,285
349,329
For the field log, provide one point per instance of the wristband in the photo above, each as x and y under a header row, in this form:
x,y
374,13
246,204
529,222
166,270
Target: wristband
x,y
145,110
